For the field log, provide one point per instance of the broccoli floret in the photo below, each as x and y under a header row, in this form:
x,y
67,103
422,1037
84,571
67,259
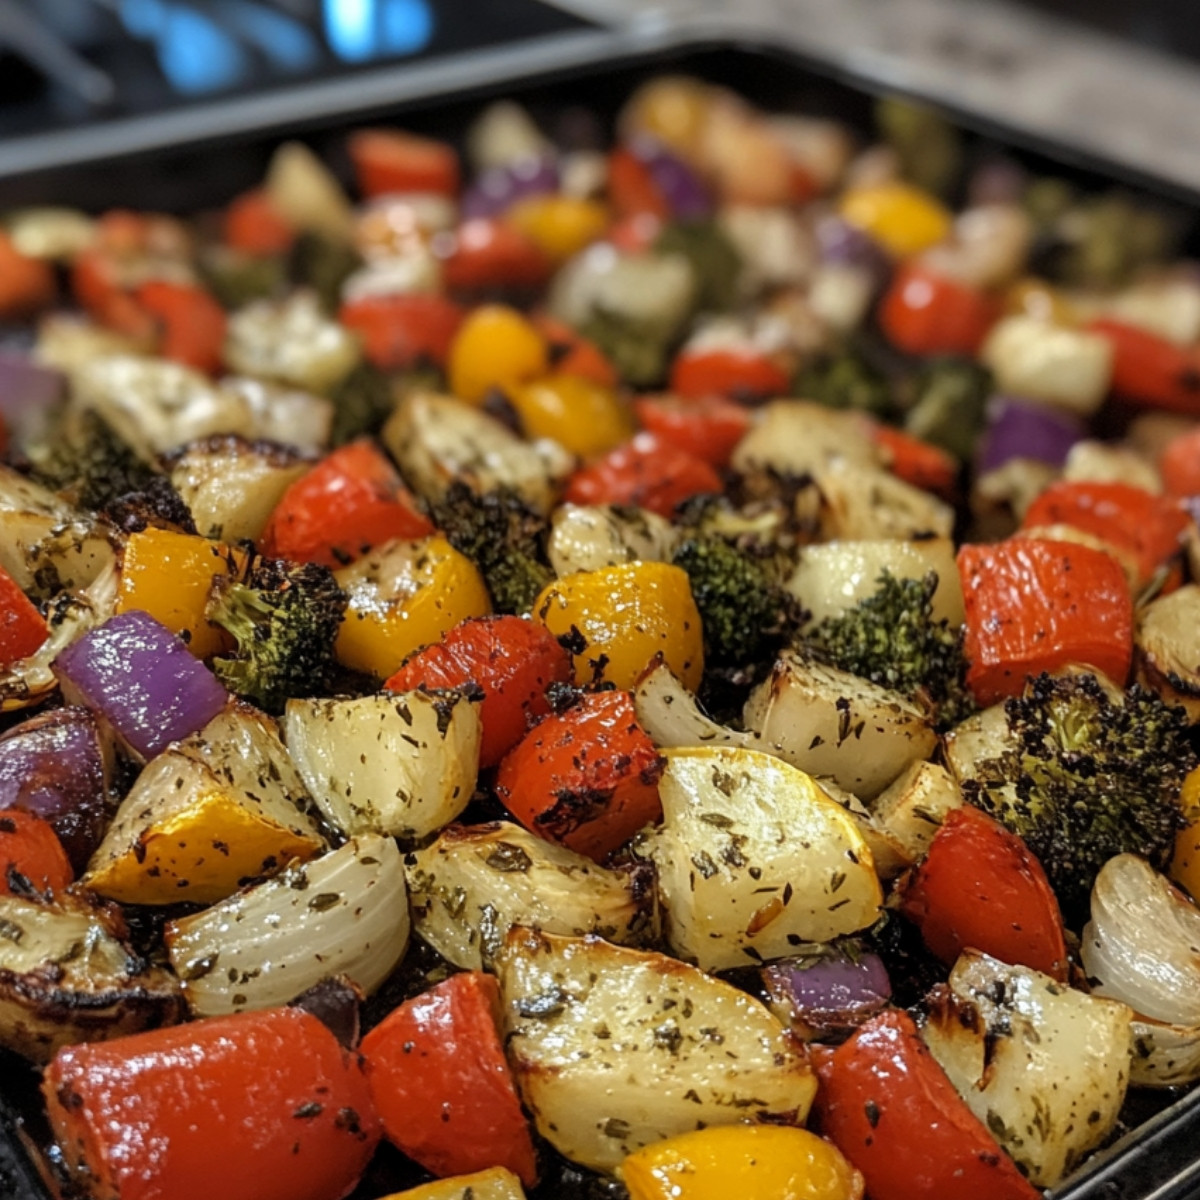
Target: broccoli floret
x,y
86,460
1090,773
893,639
361,404
237,278
745,613
503,536
714,258
845,380
947,405
323,264
639,355
284,617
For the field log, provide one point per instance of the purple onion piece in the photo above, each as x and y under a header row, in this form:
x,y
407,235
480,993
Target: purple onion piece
x,y
823,995
680,186
843,244
28,393
142,680
56,765
500,187
1018,428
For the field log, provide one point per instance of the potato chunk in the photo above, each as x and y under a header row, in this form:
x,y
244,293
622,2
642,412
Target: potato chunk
x,y
614,1049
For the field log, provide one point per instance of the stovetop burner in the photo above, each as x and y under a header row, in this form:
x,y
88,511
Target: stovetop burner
x,y
67,64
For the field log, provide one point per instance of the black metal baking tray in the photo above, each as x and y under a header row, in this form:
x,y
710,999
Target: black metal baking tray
x,y
1158,1158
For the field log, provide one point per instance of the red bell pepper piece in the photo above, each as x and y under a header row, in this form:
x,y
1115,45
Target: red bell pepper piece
x,y
647,472
923,312
1149,370
631,187
26,284
586,778
258,1106
22,629
980,887
1035,605
573,354
919,463
442,1086
255,226
349,502
1145,527
402,331
888,1107
743,374
31,852
387,161
488,255
192,323
1179,465
511,659
708,427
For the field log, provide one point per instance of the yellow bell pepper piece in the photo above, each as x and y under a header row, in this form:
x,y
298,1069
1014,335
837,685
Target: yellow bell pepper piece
x,y
904,219
1185,863
741,1162
560,225
627,615
403,596
493,1184
495,347
583,416
674,109
210,812
168,575
202,854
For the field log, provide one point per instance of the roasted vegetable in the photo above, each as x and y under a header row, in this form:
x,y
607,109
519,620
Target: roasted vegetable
x,y
614,1049
257,1106
284,617
744,611
402,765
68,974
503,536
473,884
1044,1065
892,638
1088,774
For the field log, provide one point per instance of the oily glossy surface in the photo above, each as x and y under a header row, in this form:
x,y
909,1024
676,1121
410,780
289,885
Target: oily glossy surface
x,y
261,1106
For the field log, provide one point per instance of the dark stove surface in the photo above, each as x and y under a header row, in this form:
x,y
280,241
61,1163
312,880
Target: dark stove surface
x,y
70,64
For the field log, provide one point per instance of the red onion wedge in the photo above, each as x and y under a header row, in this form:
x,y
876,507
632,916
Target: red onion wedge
x,y
142,680
680,186
57,765
1020,428
844,245
499,187
828,992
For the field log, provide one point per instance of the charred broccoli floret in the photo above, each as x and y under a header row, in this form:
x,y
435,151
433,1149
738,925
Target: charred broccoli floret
x,y
323,264
844,379
284,617
947,401
714,259
745,612
893,639
1089,774
503,536
88,461
361,403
